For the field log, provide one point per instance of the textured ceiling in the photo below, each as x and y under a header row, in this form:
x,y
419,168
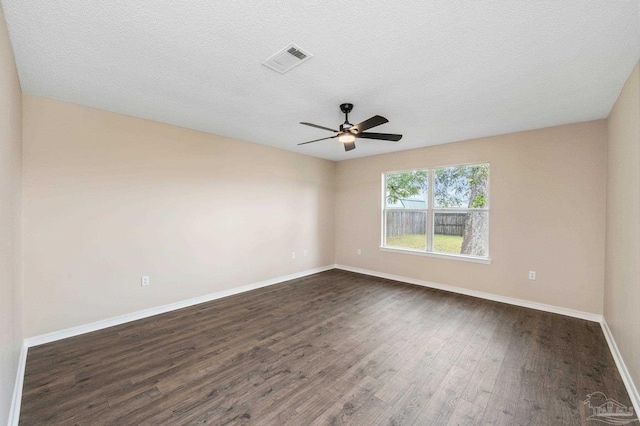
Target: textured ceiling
x,y
439,70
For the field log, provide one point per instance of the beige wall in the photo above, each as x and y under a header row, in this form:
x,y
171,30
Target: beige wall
x,y
547,197
109,198
622,279
10,166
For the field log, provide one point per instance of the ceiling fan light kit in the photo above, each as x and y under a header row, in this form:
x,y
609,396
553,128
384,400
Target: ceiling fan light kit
x,y
346,138
349,132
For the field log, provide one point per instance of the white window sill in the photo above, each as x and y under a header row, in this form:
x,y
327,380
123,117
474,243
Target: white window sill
x,y
485,260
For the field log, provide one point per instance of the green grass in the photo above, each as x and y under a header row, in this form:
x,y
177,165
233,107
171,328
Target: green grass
x,y
441,243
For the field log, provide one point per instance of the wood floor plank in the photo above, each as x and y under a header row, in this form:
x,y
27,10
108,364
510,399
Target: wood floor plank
x,y
442,404
406,409
349,406
475,346
485,375
499,412
465,414
330,348
393,389
509,381
533,408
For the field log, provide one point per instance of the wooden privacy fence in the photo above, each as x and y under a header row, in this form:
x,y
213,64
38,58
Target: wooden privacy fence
x,y
401,222
450,223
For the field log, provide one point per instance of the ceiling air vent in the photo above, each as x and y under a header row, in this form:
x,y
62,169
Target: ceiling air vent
x,y
287,59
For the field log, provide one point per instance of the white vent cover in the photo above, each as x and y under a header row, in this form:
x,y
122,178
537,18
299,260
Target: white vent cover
x,y
287,59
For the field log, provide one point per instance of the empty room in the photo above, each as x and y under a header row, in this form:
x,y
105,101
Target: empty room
x,y
320,213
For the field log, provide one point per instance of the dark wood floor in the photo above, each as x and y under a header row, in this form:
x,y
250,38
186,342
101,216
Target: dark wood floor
x,y
332,348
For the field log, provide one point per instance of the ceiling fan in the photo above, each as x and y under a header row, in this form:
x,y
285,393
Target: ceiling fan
x,y
349,132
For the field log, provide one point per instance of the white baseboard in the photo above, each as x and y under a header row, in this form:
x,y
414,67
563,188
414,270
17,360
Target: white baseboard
x,y
622,368
480,294
110,322
14,412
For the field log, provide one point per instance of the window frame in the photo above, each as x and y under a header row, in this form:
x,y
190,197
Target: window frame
x,y
430,212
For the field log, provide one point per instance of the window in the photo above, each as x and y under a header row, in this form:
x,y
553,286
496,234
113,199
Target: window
x,y
438,211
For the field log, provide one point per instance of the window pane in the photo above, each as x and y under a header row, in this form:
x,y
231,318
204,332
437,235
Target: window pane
x,y
407,190
462,187
461,233
407,229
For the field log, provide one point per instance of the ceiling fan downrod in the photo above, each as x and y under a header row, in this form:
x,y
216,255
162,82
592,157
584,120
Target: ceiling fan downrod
x,y
346,109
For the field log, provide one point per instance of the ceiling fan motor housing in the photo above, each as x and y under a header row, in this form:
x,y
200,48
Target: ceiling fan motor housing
x,y
347,127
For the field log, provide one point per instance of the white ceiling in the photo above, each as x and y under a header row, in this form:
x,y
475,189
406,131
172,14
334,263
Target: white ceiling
x,y
439,70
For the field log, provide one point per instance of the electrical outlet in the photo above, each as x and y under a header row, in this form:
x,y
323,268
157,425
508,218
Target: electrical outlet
x,y
145,280
305,253
359,252
293,254
532,275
